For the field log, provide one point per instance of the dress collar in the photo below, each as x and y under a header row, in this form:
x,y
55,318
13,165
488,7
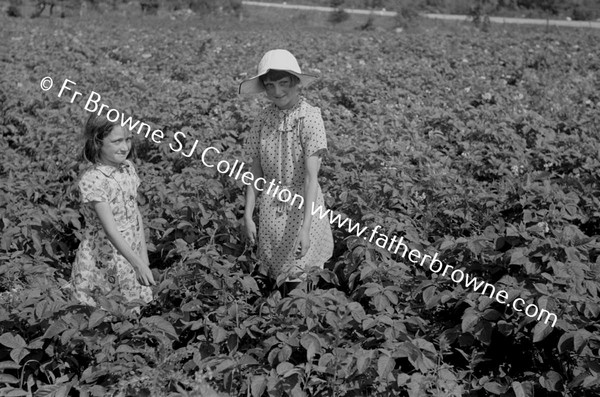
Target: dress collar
x,y
108,170
287,119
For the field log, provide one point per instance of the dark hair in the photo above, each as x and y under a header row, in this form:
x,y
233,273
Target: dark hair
x,y
97,127
274,75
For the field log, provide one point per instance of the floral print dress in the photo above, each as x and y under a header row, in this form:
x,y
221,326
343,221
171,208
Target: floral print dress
x,y
281,140
99,267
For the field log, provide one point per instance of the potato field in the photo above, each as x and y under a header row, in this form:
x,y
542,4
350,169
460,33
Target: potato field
x,y
479,146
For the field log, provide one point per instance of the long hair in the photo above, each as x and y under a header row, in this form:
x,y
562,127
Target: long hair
x,y
97,127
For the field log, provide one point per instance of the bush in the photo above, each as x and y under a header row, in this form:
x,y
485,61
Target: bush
x,y
149,7
405,16
204,6
13,11
338,16
583,14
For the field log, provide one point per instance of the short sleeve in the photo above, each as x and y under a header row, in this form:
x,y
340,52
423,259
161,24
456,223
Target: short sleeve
x,y
252,143
312,134
93,186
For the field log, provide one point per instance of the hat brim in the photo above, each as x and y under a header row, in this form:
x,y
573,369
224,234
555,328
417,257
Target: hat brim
x,y
254,86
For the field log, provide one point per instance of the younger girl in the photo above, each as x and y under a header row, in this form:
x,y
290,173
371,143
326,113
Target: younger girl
x,y
112,254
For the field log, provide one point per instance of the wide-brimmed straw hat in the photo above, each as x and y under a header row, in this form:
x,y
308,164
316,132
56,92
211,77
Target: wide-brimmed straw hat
x,y
275,60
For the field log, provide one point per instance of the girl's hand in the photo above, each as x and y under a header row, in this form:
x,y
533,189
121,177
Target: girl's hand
x,y
303,243
250,231
144,275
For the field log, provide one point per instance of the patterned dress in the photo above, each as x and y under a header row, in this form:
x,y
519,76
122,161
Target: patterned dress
x,y
99,267
281,140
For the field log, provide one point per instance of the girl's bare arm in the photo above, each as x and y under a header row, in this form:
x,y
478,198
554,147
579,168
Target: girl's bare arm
x,y
109,225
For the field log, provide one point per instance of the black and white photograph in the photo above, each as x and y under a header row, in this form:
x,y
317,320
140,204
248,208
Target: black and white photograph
x,y
303,198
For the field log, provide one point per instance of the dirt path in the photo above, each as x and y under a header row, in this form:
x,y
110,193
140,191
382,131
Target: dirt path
x,y
524,21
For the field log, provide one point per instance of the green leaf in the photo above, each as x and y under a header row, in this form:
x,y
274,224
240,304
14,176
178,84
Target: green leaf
x,y
566,342
98,391
470,318
258,386
298,392
428,295
225,365
495,387
369,323
447,375
518,258
55,329
552,381
12,341
580,340
311,344
96,318
58,390
250,284
385,365
284,367
522,389
403,379
66,336
6,378
425,345
313,348
476,246
17,393
9,365
232,342
161,324
357,311
247,360
363,362
572,255
18,354
541,331
284,353
491,314
124,349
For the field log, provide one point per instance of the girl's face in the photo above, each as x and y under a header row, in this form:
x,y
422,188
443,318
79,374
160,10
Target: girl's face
x,y
116,146
281,92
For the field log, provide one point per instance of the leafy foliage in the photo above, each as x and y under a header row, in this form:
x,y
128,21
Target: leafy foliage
x,y
482,148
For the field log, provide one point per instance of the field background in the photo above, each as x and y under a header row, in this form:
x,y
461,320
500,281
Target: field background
x,y
575,9
479,145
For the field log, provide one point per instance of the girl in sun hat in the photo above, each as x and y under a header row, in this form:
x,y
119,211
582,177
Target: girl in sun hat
x,y
286,143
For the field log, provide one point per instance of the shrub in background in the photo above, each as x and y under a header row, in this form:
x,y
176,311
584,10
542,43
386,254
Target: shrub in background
x,y
198,6
582,13
203,6
149,7
338,16
480,14
13,11
406,13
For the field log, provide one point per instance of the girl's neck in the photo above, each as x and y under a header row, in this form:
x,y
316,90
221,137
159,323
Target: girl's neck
x,y
291,105
115,165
